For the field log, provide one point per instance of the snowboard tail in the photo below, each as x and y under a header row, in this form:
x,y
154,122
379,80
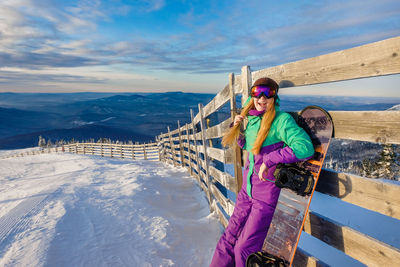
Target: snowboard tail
x,y
290,214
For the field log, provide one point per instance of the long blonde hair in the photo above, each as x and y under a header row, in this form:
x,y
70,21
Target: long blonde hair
x,y
231,136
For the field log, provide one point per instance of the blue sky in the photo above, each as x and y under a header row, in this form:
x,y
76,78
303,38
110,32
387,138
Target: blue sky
x,y
190,46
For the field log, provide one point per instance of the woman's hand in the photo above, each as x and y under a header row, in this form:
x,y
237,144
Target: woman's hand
x,y
263,169
238,119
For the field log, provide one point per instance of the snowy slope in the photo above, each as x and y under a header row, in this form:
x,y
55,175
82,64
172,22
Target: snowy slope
x,y
74,210
396,107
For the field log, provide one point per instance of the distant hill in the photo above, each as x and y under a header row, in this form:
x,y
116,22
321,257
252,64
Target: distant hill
x,y
82,133
137,117
129,116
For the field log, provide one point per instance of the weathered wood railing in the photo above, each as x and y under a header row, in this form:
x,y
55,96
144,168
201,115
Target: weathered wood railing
x,y
144,151
134,151
195,146
32,152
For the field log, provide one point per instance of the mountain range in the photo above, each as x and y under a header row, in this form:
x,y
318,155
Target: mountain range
x,y
136,117
124,117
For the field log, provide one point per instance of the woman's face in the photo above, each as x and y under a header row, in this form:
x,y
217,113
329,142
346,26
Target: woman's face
x,y
263,103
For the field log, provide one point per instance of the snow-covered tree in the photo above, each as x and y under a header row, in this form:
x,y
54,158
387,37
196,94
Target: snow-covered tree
x,y
49,143
382,167
42,142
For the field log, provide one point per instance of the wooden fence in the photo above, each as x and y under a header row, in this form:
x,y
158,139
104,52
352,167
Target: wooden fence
x,y
134,151
196,146
33,152
138,151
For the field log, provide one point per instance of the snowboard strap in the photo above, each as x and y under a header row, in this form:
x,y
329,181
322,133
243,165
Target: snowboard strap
x,y
264,259
295,178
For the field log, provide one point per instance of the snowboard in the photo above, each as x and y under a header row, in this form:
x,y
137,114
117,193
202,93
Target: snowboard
x,y
290,214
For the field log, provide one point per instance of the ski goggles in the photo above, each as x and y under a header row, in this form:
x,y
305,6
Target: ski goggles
x,y
259,90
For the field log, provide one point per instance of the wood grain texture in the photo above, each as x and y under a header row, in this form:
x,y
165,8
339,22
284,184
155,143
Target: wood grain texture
x,y
223,178
364,192
374,59
227,205
355,244
218,101
303,259
218,130
221,216
372,126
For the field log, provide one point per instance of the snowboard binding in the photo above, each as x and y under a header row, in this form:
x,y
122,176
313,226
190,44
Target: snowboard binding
x,y
295,178
264,259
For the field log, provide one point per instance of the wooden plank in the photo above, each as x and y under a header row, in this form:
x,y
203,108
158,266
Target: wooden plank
x,y
176,138
303,259
237,160
225,203
218,131
198,136
246,83
180,145
368,193
171,146
372,126
188,146
218,101
223,178
174,132
195,143
237,84
221,216
374,59
355,244
196,119
202,185
216,153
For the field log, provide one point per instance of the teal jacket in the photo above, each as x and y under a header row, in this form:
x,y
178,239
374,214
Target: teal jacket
x,y
286,142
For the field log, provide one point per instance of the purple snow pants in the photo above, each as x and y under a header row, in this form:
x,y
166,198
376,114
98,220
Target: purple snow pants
x,y
245,233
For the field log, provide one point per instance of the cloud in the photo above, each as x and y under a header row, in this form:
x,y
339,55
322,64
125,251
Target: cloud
x,y
21,78
199,37
40,60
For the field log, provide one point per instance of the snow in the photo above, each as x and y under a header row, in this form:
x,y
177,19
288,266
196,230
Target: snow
x,y
395,107
76,210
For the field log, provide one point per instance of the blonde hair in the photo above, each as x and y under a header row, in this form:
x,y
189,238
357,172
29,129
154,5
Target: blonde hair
x,y
231,136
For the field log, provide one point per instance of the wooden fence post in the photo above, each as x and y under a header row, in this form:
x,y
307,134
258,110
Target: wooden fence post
x,y
195,146
237,160
144,151
246,83
111,150
189,151
102,153
180,145
172,148
206,161
158,141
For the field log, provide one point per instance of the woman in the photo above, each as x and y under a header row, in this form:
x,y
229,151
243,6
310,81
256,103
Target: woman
x,y
271,137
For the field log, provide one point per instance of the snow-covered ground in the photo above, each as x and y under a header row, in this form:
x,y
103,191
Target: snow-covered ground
x,y
75,210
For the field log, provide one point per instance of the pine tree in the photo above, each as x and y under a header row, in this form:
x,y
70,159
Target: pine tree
x,y
49,143
42,142
383,166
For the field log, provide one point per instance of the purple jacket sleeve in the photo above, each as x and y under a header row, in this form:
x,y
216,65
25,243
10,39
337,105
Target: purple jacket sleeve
x,y
241,141
284,155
